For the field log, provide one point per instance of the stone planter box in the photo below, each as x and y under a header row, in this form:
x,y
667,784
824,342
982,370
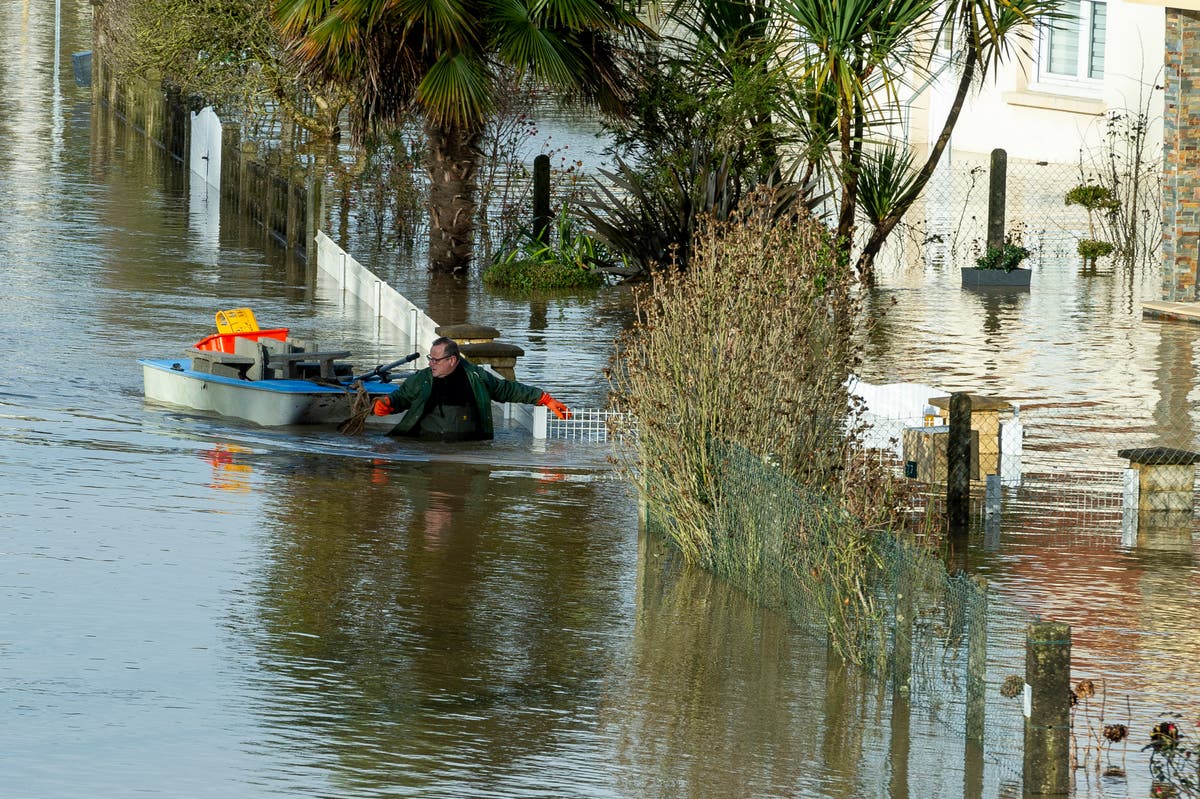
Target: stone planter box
x,y
973,277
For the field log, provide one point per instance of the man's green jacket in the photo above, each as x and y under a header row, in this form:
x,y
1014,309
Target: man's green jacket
x,y
414,392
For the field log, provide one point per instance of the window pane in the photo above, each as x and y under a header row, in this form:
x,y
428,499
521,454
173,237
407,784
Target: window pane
x,y
1096,62
1063,48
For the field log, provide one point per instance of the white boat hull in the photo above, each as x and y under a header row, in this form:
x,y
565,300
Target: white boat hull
x,y
270,403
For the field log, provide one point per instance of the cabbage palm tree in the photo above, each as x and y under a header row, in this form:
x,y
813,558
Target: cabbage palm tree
x,y
858,53
442,59
982,34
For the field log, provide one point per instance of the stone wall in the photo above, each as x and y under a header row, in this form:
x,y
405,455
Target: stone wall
x,y
1181,146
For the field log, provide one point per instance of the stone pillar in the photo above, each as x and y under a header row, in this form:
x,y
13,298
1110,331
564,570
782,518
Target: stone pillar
x,y
478,345
498,355
1165,483
468,333
1181,155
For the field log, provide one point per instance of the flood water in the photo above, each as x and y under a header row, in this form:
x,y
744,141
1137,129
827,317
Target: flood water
x,y
194,607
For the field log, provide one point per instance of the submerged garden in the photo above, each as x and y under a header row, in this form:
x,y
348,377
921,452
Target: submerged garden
x,y
759,171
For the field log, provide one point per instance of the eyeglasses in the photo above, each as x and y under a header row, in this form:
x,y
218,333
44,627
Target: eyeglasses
x,y
432,359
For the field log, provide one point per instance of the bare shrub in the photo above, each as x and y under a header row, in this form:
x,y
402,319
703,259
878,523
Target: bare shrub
x,y
749,351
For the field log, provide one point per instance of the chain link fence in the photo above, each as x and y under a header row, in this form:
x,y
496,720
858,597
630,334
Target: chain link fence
x,y
948,224
1136,480
936,637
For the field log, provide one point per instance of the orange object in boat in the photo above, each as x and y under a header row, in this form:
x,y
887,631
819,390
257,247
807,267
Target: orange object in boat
x,y
224,342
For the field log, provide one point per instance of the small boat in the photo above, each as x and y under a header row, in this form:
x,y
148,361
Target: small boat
x,y
264,377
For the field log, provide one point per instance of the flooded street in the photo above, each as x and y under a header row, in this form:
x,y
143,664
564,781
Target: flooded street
x,y
190,606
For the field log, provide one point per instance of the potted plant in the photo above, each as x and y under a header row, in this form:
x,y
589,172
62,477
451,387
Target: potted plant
x,y
999,266
1094,199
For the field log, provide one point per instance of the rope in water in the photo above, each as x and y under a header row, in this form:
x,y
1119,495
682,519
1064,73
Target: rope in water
x,y
360,408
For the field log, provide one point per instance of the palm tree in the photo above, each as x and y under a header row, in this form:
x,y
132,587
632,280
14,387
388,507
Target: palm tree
x,y
442,60
858,53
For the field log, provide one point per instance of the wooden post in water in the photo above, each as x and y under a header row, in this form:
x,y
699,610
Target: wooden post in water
x,y
977,688
977,631
297,194
541,198
997,191
958,465
1047,708
902,642
249,152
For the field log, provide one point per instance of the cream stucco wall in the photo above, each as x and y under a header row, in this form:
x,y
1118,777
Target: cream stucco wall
x,y
1051,124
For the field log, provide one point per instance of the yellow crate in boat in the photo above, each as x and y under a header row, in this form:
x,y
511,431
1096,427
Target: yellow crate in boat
x,y
236,320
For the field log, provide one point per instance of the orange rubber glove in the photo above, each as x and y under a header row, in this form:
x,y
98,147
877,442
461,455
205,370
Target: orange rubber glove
x,y
556,407
383,407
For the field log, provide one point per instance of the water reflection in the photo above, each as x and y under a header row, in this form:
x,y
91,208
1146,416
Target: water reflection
x,y
228,473
423,626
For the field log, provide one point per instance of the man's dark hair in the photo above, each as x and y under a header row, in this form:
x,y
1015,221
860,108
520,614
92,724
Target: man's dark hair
x,y
450,346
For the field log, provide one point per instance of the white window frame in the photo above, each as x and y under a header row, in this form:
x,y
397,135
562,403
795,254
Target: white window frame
x,y
1078,83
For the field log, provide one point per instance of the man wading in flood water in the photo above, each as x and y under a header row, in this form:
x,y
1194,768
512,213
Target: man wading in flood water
x,y
451,399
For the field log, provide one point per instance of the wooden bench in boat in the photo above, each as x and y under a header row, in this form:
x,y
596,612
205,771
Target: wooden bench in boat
x,y
225,364
293,364
267,359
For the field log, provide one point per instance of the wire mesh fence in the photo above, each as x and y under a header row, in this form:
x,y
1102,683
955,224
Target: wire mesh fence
x,y
950,220
1136,481
935,636
948,224
594,425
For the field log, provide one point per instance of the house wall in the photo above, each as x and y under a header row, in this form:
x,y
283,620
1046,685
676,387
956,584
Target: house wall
x,y
1036,124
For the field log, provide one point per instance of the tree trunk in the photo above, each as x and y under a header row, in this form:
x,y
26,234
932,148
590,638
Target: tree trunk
x,y
453,157
866,260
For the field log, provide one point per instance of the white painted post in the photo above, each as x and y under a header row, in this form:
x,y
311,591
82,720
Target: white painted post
x,y
992,497
343,275
1129,509
413,320
540,417
1012,435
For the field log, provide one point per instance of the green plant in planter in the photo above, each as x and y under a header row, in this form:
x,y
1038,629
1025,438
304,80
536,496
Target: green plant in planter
x,y
1092,249
562,258
1093,198
1007,257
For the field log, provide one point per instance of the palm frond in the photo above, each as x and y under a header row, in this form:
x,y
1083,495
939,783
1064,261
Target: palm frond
x,y
885,179
456,91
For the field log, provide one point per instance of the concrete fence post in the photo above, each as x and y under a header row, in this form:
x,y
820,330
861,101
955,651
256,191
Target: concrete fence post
x,y
1047,709
977,632
1129,508
958,465
997,191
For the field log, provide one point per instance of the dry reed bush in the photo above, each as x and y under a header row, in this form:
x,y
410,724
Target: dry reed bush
x,y
750,349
